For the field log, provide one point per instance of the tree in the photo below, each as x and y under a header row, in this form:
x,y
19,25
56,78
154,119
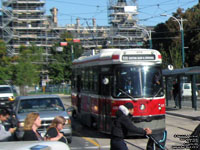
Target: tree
x,y
61,61
27,68
192,35
5,65
170,41
167,39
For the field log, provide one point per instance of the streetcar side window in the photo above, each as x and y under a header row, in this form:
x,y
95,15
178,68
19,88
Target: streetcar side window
x,y
73,80
95,80
83,79
105,86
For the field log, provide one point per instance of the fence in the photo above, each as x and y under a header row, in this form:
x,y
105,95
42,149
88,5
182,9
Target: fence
x,y
50,89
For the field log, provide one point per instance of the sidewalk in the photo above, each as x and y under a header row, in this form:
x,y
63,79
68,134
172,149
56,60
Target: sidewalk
x,y
188,113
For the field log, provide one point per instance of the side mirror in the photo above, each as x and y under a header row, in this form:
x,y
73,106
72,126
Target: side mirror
x,y
70,109
105,81
170,67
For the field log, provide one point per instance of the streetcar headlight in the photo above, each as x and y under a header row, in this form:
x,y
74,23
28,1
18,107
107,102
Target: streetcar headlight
x,y
142,107
159,107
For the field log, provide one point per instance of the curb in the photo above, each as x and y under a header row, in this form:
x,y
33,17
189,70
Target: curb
x,y
183,116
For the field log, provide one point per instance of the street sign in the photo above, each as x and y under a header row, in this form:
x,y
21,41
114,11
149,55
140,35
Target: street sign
x,y
63,43
43,83
76,40
68,39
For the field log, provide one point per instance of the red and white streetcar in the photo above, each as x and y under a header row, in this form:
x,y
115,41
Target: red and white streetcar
x,y
104,81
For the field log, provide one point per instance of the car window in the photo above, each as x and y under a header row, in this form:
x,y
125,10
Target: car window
x,y
186,86
5,90
46,104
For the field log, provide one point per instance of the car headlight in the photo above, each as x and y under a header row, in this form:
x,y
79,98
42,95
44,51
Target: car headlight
x,y
11,98
21,124
68,122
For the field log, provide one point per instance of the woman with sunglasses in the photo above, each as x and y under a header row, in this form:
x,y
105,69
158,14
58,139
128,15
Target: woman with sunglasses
x,y
53,132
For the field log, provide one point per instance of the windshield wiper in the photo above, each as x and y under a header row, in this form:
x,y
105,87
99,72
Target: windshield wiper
x,y
127,94
157,92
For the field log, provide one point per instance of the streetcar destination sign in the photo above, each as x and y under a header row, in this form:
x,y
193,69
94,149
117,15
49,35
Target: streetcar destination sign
x,y
138,57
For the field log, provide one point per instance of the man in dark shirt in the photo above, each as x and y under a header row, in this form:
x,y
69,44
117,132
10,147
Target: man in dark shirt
x,y
175,93
122,125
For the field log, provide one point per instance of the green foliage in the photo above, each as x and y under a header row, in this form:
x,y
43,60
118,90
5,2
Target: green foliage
x,y
5,65
60,66
26,70
167,38
175,55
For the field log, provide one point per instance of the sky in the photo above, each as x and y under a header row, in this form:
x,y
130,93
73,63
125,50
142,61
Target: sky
x,y
149,10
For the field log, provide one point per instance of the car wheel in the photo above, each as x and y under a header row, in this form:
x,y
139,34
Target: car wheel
x,y
69,140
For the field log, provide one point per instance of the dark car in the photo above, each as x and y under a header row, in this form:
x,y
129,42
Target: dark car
x,y
48,106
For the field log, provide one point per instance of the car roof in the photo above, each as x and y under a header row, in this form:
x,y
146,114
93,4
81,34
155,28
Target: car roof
x,y
36,97
28,145
5,86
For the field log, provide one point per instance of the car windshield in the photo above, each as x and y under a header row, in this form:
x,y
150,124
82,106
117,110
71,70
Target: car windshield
x,y
138,81
44,104
5,90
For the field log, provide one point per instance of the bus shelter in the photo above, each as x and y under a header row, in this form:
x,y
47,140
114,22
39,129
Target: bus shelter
x,y
182,76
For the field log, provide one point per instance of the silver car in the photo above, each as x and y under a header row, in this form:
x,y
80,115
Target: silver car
x,y
48,106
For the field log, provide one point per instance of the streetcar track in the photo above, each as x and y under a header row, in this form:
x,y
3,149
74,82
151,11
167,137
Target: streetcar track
x,y
140,148
179,127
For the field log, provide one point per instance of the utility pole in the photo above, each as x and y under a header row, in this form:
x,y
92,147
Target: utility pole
x,y
180,23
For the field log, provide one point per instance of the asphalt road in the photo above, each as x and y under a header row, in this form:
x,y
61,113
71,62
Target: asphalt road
x,y
85,138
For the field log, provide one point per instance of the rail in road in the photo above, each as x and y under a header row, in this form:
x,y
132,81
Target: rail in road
x,y
86,138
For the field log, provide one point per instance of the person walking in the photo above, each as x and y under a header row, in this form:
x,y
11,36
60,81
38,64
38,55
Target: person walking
x,y
122,125
175,93
53,132
4,134
31,124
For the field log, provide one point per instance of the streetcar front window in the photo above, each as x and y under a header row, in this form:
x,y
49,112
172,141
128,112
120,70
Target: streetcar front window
x,y
136,82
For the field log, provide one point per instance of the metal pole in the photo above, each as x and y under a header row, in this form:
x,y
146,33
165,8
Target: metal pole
x,y
182,43
180,22
150,40
72,50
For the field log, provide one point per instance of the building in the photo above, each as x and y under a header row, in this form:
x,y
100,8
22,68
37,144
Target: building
x,y
24,22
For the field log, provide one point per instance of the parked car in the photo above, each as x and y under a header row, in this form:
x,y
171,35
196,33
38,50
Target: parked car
x,y
187,89
6,94
48,106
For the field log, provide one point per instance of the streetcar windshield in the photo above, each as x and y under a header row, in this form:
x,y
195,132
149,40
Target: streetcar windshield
x,y
137,81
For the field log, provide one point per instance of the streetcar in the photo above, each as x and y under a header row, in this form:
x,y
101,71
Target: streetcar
x,y
102,82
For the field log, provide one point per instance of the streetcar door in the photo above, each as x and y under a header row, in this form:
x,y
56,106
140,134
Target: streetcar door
x,y
105,92
78,93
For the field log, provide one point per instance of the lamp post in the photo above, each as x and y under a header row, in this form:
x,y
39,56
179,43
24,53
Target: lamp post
x,y
149,35
180,23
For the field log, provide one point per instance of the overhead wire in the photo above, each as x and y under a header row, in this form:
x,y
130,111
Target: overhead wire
x,y
159,7
99,10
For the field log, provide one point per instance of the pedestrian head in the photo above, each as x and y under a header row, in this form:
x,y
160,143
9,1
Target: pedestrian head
x,y
4,114
58,122
32,119
130,107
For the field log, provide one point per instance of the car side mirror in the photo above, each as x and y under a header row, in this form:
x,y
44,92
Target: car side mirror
x,y
70,109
